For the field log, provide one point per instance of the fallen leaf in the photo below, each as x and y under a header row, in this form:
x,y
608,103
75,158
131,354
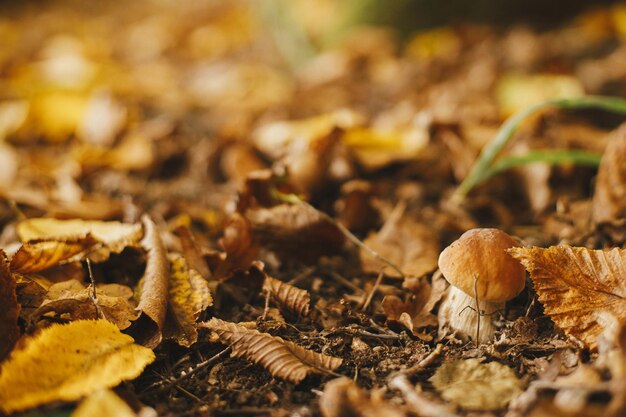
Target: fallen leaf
x,y
295,231
152,290
609,197
192,251
10,310
72,300
576,284
241,285
103,403
238,244
38,256
413,313
342,398
114,236
188,296
477,386
66,362
282,359
291,298
411,245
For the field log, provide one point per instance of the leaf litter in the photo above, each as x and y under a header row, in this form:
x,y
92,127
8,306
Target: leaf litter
x,y
259,222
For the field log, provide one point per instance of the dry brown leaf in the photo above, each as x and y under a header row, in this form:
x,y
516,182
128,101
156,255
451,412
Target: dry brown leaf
x,y
192,251
576,285
238,244
67,362
295,231
72,300
189,295
114,236
9,310
241,285
609,198
410,313
282,359
343,398
293,299
38,256
413,246
152,290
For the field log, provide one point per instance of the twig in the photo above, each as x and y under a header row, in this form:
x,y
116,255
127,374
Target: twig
x,y
477,310
419,404
370,296
421,365
337,277
92,290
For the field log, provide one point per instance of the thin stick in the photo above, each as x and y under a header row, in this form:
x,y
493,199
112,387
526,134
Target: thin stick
x,y
337,277
477,309
370,296
92,290
421,365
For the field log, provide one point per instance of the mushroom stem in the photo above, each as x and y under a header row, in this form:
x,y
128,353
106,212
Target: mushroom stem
x,y
458,312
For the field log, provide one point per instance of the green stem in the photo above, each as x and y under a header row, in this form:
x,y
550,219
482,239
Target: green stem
x,y
504,135
550,157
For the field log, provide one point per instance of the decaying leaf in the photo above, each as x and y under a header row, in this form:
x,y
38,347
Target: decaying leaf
x,y
9,310
293,299
192,251
414,313
152,290
66,362
114,236
343,398
189,295
411,245
38,256
72,300
281,358
295,231
240,247
576,285
609,198
103,403
477,386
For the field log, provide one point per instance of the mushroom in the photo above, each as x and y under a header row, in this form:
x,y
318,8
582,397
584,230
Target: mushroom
x,y
481,272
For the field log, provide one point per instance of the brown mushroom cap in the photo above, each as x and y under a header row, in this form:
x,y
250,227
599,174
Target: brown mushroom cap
x,y
482,253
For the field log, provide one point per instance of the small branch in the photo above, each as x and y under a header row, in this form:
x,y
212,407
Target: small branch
x,y
370,296
92,290
421,365
477,310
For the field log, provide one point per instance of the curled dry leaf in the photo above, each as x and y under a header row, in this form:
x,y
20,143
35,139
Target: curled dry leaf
x,y
575,285
189,295
103,403
152,290
114,236
67,362
477,386
192,251
240,247
414,313
282,359
343,398
10,309
291,298
72,300
39,256
411,245
295,231
609,198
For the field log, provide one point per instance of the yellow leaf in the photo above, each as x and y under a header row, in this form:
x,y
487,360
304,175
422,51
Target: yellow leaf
x,y
58,114
477,386
38,256
516,92
68,361
576,285
114,235
103,403
282,359
189,296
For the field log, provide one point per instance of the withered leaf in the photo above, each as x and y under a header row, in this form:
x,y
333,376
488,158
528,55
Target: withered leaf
x,y
576,285
411,245
9,310
414,313
72,300
189,295
293,299
192,251
282,359
39,256
475,385
241,285
609,198
238,244
342,397
66,362
152,290
295,231
114,236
